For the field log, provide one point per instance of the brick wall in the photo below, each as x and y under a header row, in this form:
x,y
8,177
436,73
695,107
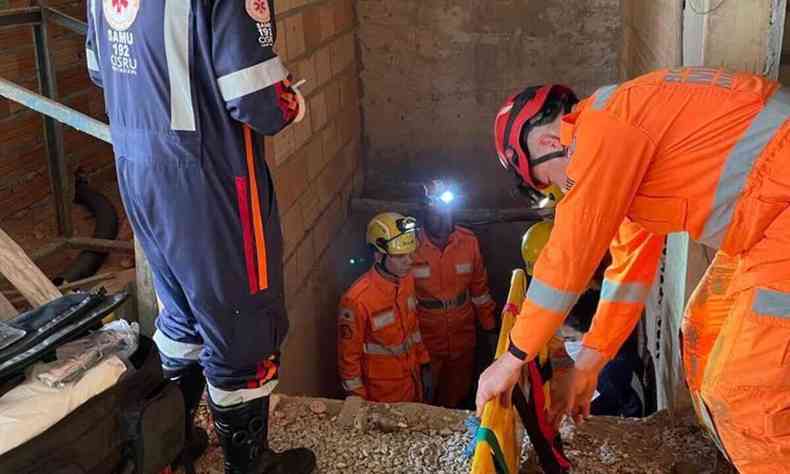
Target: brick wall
x,y
316,166
24,178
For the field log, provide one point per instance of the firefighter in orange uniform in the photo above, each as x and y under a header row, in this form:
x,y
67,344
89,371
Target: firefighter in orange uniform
x,y
381,356
699,150
452,295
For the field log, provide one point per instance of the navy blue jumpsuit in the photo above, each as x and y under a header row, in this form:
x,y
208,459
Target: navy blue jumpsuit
x,y
187,84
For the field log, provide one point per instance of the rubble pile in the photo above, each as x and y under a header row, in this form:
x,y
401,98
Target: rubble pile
x,y
355,436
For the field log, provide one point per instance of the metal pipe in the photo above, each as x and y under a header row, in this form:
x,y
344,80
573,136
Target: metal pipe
x,y
20,17
51,108
53,132
67,21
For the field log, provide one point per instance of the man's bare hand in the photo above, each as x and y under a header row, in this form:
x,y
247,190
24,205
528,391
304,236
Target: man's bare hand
x,y
498,380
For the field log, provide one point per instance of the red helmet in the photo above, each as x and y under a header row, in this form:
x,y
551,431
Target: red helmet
x,y
526,109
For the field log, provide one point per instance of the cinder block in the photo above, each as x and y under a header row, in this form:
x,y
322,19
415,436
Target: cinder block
x,y
294,26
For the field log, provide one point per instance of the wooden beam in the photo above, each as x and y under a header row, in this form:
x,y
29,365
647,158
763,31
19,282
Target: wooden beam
x,y
101,245
472,216
7,310
24,274
85,282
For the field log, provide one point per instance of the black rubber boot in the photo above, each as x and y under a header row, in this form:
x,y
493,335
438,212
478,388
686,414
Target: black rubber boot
x,y
243,431
192,384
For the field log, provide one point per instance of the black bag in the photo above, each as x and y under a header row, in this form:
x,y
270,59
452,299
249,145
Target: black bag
x,y
135,426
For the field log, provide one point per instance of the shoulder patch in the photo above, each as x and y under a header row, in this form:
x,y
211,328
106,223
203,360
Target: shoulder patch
x,y
258,10
120,14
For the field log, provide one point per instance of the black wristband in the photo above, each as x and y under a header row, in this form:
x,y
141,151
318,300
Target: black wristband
x,y
517,353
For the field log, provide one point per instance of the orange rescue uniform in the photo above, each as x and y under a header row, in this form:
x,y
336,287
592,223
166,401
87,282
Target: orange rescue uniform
x,y
707,152
380,349
452,293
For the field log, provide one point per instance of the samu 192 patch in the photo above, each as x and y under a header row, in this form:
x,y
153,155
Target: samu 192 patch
x,y
258,10
120,14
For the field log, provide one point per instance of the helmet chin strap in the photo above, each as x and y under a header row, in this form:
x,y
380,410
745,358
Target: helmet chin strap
x,y
547,157
382,267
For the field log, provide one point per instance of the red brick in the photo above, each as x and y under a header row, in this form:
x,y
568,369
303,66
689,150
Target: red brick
x,y
314,155
323,65
293,229
294,27
312,27
332,93
318,111
310,206
344,14
290,180
327,15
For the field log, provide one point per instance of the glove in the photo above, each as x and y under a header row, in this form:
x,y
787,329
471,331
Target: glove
x,y
427,383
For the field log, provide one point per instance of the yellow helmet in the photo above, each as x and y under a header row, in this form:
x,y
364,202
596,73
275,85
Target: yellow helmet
x,y
552,196
392,233
533,242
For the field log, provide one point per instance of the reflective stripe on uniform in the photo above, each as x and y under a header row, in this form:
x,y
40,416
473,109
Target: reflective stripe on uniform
x,y
352,384
382,319
399,349
615,292
771,303
423,271
90,58
227,398
551,298
463,268
739,164
252,79
602,95
175,349
481,300
177,33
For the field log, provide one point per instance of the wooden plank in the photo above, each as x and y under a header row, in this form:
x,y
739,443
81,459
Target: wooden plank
x,y
101,245
87,283
24,274
147,303
7,310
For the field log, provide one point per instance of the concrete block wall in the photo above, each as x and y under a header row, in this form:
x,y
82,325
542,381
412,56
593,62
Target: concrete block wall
x,y
651,36
434,75
317,168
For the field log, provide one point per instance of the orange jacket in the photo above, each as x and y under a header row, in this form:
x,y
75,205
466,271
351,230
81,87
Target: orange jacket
x,y
456,274
694,149
380,349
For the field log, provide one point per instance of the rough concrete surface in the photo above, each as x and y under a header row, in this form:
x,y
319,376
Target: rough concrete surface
x,y
434,74
363,437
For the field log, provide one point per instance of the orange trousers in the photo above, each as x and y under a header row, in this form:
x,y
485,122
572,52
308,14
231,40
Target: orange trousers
x,y
736,353
452,378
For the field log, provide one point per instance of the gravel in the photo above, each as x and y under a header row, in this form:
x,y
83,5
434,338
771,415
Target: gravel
x,y
414,438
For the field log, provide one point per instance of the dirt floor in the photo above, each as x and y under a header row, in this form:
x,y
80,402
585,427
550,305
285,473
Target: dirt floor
x,y
360,437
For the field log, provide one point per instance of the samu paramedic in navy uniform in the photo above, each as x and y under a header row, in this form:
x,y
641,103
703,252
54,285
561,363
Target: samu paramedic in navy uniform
x,y
188,86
